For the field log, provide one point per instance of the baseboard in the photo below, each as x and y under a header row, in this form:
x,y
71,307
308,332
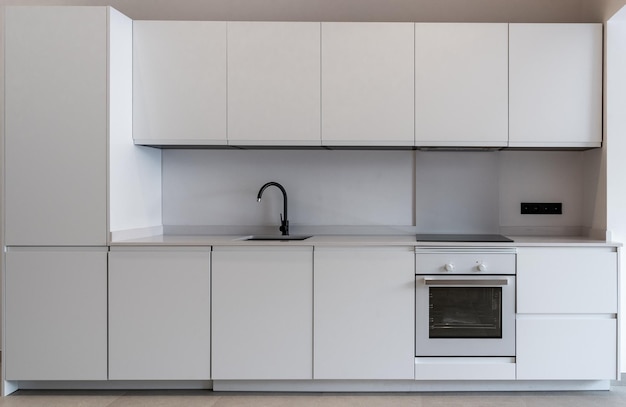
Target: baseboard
x,y
621,381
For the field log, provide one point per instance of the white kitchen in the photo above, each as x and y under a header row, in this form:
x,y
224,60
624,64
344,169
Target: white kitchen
x,y
320,197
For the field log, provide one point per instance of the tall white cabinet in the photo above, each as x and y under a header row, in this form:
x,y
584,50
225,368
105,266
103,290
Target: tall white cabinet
x,y
159,314
461,84
367,84
555,85
274,83
67,106
179,82
56,126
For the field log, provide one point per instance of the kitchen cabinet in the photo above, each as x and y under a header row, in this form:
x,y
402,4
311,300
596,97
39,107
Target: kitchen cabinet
x,y
56,126
262,319
364,324
555,85
461,84
557,348
179,82
367,84
567,307
274,83
55,314
567,280
159,314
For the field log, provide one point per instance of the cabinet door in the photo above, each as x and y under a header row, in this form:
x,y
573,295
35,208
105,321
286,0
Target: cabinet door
x,y
55,314
554,348
364,320
274,83
461,84
262,313
56,126
555,85
179,82
367,84
559,280
159,314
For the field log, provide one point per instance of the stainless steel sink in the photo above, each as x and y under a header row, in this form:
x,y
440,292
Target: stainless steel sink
x,y
276,237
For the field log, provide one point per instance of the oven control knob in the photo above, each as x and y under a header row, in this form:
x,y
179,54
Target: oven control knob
x,y
448,267
482,267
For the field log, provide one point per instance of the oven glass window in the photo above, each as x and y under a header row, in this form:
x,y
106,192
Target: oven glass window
x,y
465,312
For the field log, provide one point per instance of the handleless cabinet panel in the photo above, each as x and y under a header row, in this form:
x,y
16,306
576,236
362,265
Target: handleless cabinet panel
x,y
262,313
461,84
364,319
56,126
179,82
554,348
56,314
367,84
567,280
555,85
274,83
160,314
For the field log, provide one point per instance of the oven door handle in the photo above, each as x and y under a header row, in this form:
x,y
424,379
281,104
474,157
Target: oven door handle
x,y
466,282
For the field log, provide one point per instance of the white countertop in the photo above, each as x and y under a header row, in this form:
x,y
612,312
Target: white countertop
x,y
356,240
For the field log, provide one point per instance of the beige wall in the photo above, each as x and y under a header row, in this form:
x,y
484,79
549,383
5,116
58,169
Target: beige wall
x,y
357,10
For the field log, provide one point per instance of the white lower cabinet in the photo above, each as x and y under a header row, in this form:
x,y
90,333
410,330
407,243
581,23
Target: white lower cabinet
x,y
364,320
557,348
55,314
567,304
262,313
159,314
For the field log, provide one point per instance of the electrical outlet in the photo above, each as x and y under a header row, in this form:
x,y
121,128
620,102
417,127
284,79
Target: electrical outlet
x,y
541,208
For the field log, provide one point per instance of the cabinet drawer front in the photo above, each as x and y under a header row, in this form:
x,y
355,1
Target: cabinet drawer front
x,y
566,349
567,280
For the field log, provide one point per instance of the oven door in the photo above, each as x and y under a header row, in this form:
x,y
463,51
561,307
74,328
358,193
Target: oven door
x,y
465,315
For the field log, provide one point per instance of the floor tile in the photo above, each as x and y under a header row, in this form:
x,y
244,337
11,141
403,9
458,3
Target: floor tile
x,y
192,398
36,398
162,398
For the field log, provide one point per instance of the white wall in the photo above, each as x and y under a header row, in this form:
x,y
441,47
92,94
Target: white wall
x,y
445,192
134,172
219,187
457,192
542,176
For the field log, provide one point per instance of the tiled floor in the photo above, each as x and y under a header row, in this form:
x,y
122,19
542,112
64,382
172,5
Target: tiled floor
x,y
614,398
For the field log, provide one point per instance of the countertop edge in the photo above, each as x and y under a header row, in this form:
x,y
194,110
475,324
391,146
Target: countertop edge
x,y
357,240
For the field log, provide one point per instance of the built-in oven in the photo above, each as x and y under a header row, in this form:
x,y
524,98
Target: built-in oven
x,y
465,302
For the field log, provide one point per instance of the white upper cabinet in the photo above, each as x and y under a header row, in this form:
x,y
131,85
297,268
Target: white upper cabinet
x,y
461,84
555,74
179,82
367,84
273,83
56,125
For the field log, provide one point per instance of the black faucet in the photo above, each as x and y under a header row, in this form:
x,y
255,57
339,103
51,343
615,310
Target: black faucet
x,y
284,223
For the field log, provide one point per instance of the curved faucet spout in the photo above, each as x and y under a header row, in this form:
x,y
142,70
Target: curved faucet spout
x,y
284,222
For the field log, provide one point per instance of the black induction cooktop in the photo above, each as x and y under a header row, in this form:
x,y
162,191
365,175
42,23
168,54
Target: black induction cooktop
x,y
487,238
